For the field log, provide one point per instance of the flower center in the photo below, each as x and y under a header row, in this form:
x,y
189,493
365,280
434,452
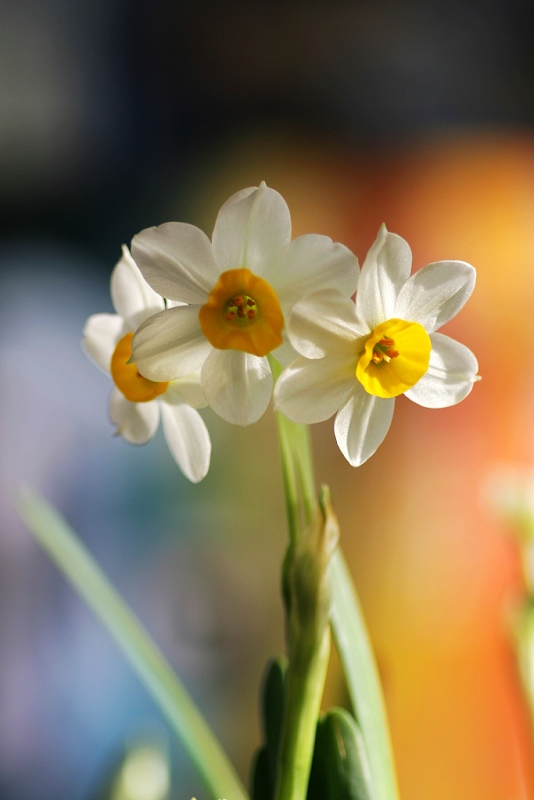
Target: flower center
x,y
127,377
395,357
383,351
241,307
242,313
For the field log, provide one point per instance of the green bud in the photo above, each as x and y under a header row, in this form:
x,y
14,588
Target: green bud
x,y
306,580
272,713
262,788
340,770
273,710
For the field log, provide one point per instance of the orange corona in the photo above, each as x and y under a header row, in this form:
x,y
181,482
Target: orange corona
x,y
127,377
242,313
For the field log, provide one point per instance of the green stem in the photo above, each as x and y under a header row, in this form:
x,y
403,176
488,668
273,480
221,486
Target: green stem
x,y
308,639
289,474
304,691
297,470
348,625
307,666
70,555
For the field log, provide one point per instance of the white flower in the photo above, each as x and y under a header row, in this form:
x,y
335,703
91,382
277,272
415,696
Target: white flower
x,y
239,289
356,358
136,403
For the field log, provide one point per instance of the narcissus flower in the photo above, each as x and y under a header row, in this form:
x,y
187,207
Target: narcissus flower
x,y
239,289
136,403
356,358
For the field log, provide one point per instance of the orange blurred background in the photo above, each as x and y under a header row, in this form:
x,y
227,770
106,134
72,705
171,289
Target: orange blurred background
x,y
125,116
436,575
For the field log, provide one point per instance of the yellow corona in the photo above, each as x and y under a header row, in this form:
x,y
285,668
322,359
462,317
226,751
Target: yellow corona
x,y
395,357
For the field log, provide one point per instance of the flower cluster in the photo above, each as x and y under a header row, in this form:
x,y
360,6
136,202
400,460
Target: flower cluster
x,y
239,289
199,321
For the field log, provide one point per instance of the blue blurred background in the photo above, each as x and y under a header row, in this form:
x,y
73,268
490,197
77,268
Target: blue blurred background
x,y
115,116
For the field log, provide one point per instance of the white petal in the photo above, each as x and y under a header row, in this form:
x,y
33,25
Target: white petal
x,y
188,439
286,353
237,385
450,377
170,344
186,390
100,336
311,391
436,293
136,422
311,263
385,269
250,228
132,297
325,324
361,425
177,261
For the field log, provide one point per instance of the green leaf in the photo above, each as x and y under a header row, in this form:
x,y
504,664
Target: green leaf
x,y
154,671
340,770
262,787
352,641
273,711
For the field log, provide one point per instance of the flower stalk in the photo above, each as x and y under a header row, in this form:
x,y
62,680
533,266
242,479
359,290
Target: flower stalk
x,y
305,676
307,595
313,537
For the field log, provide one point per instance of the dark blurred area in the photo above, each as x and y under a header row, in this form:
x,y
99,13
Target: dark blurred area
x,y
117,115
108,108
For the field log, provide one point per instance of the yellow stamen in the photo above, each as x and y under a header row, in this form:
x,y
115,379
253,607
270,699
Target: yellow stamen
x,y
383,350
242,313
127,378
395,357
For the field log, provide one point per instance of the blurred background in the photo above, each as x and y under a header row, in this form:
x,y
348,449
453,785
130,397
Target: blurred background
x,y
117,115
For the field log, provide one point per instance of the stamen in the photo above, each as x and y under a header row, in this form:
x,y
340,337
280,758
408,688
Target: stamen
x,y
242,313
396,355
241,306
383,351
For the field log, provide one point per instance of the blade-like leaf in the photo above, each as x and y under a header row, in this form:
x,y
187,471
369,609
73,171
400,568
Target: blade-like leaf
x,y
76,563
352,641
